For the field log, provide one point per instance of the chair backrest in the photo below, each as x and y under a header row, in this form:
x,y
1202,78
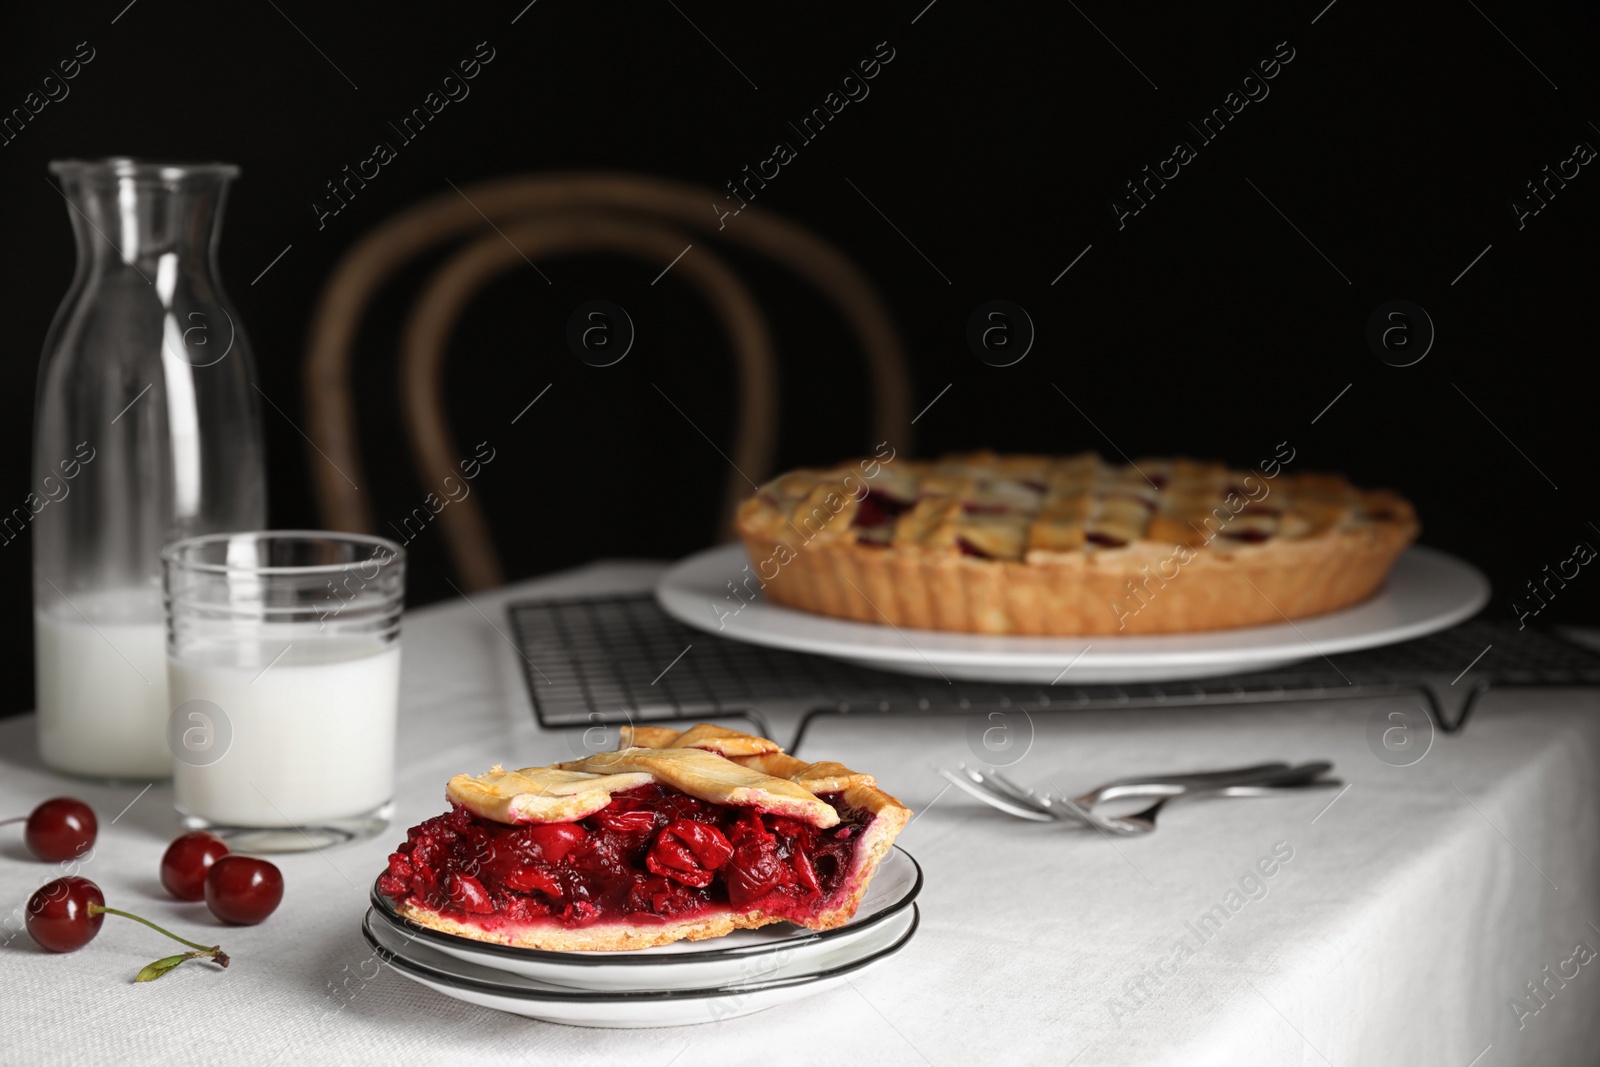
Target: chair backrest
x,y
514,220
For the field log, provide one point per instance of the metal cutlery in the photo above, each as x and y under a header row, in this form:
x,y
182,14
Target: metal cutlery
x,y
1025,809
1157,785
1305,776
992,786
1264,779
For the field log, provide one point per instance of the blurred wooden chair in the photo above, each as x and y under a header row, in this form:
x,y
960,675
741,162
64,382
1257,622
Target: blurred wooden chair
x,y
507,222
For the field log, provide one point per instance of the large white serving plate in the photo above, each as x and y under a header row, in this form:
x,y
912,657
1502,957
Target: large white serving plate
x,y
1427,591
612,1009
779,951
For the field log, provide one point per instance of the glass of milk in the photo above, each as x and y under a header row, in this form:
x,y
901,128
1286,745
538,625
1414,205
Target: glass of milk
x,y
283,671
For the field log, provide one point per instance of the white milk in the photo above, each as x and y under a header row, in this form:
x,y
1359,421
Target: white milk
x,y
313,732
102,686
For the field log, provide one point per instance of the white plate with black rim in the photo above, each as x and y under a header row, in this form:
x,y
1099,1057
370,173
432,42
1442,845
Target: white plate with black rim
x,y
776,952
1427,591
612,1009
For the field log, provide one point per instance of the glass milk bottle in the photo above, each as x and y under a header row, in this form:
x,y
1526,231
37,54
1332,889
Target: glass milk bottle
x,y
147,429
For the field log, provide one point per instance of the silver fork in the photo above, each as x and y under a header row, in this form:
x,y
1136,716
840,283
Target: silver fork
x,y
1305,776
1027,808
1150,785
998,791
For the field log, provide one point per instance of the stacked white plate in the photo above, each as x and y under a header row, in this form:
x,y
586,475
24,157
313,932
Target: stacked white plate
x,y
680,984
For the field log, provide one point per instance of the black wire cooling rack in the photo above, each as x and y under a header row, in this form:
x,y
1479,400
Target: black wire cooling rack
x,y
616,659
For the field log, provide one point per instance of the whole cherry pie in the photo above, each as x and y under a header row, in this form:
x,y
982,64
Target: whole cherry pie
x,y
675,835
985,543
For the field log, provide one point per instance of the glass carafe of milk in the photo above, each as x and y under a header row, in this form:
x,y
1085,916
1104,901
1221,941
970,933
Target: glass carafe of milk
x,y
147,429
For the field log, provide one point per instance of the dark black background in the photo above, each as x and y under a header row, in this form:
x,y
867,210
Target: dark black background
x,y
1395,140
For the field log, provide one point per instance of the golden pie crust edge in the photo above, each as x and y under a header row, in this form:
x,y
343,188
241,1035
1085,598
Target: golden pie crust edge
x,y
1080,593
859,790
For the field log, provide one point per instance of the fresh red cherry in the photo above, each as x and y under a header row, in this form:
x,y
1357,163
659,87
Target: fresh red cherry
x,y
243,890
60,916
64,915
187,862
59,829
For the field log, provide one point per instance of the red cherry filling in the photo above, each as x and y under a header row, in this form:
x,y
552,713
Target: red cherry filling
x,y
969,549
689,852
556,839
757,871
1104,540
653,853
468,894
1249,537
878,508
1149,504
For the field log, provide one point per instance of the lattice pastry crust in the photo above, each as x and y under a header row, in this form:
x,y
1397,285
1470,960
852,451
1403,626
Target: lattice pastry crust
x,y
986,543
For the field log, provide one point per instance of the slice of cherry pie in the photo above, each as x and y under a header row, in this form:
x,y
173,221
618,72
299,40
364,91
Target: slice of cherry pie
x,y
1067,545
675,835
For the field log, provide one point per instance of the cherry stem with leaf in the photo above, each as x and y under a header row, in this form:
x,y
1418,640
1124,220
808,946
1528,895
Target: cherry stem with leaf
x,y
162,966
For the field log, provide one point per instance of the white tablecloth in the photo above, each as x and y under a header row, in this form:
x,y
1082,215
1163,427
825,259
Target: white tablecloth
x,y
1398,926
